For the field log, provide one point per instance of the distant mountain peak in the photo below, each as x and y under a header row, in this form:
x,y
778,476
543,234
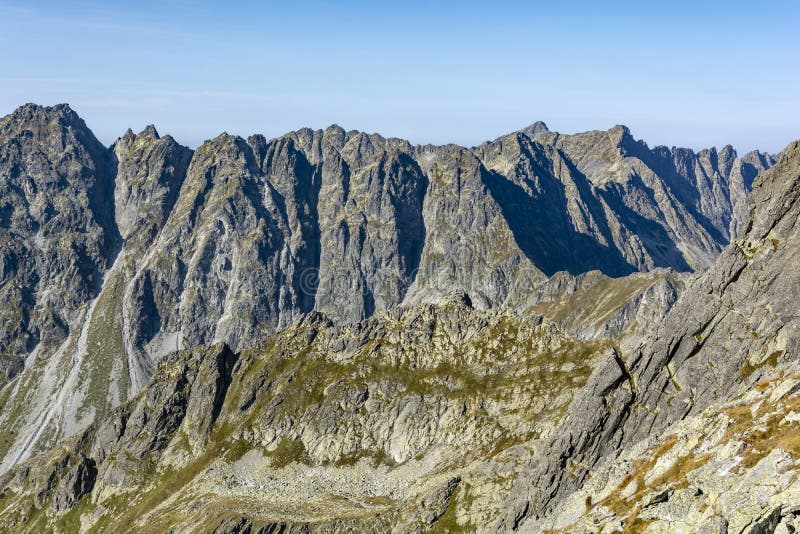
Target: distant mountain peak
x,y
34,113
619,132
30,107
535,128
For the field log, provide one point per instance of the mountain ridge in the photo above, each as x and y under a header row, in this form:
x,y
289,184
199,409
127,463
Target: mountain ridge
x,y
428,333
168,248
445,418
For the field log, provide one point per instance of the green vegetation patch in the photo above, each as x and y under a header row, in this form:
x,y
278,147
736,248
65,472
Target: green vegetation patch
x,y
288,451
104,347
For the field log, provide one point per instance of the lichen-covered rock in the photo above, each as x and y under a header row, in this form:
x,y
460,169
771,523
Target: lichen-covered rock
x,y
57,229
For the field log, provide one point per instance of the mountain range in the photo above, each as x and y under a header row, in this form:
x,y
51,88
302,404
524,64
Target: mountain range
x,y
336,331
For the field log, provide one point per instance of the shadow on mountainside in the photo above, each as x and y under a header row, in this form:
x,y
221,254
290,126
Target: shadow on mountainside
x,y
544,234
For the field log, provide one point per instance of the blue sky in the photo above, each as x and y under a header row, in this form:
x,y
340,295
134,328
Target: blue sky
x,y
702,73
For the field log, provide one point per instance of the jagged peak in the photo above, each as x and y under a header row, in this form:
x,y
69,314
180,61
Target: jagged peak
x,y
628,145
535,128
619,132
30,107
44,121
367,138
336,135
259,139
791,151
62,113
150,131
146,137
619,135
224,139
335,128
707,152
762,158
362,143
305,131
124,143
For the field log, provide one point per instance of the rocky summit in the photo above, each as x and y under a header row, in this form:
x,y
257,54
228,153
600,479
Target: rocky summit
x,y
332,331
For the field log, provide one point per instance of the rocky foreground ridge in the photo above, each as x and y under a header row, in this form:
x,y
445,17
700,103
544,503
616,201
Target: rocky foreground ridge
x,y
335,331
704,412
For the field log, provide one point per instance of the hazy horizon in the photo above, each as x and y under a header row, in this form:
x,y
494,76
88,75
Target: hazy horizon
x,y
429,73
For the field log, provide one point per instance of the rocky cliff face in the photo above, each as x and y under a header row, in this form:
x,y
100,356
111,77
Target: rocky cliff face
x,y
604,200
345,251
57,225
733,333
